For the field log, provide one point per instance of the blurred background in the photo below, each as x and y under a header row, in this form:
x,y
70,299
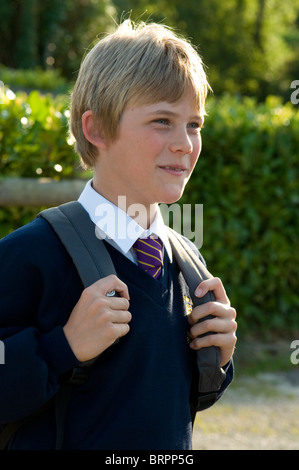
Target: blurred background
x,y
247,175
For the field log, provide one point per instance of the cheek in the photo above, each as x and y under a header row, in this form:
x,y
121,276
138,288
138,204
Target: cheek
x,y
197,146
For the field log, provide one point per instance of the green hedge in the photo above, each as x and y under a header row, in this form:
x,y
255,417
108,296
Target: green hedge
x,y
31,79
33,136
246,179
33,143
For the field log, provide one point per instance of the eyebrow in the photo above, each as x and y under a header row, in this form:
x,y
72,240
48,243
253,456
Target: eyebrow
x,y
166,112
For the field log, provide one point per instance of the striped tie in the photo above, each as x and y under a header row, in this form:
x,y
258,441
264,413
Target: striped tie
x,y
149,255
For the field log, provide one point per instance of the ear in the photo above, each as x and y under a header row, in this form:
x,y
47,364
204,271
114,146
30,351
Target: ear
x,y
92,130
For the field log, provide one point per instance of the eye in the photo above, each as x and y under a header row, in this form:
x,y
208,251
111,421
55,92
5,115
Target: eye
x,y
162,121
195,126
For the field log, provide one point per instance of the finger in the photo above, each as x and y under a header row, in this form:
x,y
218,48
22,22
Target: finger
x,y
214,325
213,284
221,340
119,316
211,308
122,329
226,343
119,327
118,303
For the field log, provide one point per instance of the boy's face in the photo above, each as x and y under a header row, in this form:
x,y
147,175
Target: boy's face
x,y
153,155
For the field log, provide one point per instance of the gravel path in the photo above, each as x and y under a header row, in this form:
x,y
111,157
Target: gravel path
x,y
256,413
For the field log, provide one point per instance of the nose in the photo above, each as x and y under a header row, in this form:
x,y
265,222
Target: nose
x,y
181,143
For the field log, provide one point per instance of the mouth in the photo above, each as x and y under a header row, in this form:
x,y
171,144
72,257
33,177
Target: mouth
x,y
174,169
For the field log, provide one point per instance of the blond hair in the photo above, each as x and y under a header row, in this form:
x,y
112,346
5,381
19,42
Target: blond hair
x,y
137,64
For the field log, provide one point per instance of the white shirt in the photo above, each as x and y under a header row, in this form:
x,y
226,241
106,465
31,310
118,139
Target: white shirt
x,y
115,226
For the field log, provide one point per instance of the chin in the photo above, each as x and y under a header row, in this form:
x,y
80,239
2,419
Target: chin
x,y
172,198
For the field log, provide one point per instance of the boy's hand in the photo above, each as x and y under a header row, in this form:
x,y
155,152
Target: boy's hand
x,y
97,320
223,326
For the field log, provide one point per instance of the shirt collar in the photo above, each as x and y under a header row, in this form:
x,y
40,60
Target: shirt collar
x,y
115,224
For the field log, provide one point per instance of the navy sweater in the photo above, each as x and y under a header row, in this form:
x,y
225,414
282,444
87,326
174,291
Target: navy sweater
x,y
137,396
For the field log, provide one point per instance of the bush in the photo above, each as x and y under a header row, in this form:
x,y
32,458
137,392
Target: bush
x,y
34,136
247,181
33,143
31,79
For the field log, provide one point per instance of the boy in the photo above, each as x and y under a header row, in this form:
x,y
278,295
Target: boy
x,y
136,113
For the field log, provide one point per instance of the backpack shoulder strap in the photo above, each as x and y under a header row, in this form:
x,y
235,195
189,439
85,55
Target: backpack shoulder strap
x,y
193,269
77,233
211,375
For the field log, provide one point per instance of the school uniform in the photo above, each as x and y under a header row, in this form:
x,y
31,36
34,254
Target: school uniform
x,y
139,390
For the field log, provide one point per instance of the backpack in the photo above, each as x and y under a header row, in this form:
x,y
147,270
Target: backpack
x,y
76,231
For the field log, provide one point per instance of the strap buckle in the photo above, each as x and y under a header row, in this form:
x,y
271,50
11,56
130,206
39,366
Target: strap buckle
x,y
77,376
205,400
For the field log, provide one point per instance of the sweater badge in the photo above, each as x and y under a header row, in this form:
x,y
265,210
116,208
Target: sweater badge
x,y
189,307
188,304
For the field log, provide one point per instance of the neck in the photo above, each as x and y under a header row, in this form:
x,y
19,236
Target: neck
x,y
142,214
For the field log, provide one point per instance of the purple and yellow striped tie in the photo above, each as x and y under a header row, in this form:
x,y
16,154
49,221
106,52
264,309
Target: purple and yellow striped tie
x,y
149,255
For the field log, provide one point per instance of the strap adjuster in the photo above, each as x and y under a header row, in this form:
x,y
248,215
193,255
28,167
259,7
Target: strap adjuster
x,y
205,400
76,376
